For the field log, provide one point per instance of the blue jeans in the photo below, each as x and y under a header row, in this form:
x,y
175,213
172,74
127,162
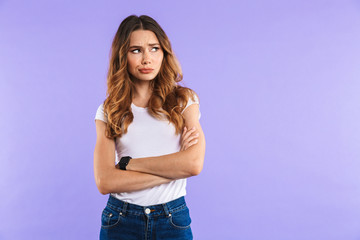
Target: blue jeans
x,y
122,220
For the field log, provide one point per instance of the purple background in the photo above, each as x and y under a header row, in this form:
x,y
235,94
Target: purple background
x,y
279,88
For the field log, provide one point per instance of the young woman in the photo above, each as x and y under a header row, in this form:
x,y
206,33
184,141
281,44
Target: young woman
x,y
149,139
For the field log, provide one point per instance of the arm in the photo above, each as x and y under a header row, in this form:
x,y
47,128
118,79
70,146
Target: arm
x,y
177,165
109,179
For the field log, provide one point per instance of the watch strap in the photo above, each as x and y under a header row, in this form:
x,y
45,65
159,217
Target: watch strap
x,y
124,161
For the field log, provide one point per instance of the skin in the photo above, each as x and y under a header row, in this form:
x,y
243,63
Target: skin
x,y
148,172
144,52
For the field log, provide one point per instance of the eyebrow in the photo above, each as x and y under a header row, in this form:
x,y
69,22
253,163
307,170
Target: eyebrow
x,y
151,44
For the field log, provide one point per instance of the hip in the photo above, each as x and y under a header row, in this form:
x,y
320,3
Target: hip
x,y
122,220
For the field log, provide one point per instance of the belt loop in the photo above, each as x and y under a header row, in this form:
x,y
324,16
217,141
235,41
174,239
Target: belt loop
x,y
123,211
166,210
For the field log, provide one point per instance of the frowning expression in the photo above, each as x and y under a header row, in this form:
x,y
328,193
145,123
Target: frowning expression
x,y
145,55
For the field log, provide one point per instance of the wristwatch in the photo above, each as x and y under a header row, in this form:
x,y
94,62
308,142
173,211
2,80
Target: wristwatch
x,y
124,161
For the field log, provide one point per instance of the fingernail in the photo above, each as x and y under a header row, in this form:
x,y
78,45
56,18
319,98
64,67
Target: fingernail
x,y
193,127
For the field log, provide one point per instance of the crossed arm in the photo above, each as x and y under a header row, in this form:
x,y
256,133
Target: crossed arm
x,y
147,172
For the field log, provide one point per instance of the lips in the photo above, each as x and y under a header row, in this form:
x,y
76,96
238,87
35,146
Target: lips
x,y
146,70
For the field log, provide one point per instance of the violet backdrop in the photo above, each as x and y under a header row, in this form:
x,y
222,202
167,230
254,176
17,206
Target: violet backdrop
x,y
279,87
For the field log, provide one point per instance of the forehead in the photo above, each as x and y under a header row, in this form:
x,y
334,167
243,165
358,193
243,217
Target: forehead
x,y
142,37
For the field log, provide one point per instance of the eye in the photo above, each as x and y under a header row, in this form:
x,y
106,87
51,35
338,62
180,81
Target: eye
x,y
156,49
133,51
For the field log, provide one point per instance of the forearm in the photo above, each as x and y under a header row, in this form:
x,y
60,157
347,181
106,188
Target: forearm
x,y
182,164
117,181
175,165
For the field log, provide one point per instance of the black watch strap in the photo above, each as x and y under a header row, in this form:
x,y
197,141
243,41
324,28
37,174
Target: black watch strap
x,y
124,161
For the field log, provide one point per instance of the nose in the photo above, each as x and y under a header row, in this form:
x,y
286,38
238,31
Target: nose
x,y
146,58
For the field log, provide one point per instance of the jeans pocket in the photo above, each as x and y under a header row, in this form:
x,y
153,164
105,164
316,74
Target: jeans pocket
x,y
110,217
180,219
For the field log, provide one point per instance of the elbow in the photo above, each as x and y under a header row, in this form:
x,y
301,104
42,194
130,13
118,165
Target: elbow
x,y
102,186
197,167
103,191
197,159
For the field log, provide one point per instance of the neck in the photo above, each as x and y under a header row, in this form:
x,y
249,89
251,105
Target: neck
x,y
143,91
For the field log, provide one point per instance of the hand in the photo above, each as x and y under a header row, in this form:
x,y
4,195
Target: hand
x,y
188,138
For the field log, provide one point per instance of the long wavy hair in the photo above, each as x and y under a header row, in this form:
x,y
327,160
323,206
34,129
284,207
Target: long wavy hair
x,y
168,97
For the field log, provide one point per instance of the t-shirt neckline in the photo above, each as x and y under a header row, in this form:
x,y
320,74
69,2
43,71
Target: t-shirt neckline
x,y
138,108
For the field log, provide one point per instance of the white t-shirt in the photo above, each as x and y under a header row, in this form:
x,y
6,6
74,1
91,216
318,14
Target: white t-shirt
x,y
149,137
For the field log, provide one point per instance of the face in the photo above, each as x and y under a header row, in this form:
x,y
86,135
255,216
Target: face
x,y
144,56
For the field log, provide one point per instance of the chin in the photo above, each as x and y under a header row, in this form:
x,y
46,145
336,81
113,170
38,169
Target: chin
x,y
147,78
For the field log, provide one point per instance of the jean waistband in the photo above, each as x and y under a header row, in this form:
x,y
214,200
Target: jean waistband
x,y
154,210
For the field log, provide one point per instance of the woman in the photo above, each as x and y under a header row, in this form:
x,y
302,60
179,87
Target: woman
x,y
149,139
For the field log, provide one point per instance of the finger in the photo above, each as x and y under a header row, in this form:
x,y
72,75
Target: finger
x,y
187,136
188,133
182,135
184,130
191,137
190,140
190,144
189,129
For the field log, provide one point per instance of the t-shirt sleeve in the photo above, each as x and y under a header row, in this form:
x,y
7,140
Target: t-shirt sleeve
x,y
190,102
100,114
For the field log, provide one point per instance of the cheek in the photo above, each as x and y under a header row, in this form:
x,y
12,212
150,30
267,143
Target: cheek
x,y
160,59
131,62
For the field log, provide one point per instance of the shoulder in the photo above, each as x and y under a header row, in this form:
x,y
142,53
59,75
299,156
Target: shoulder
x,y
189,96
194,97
100,114
192,108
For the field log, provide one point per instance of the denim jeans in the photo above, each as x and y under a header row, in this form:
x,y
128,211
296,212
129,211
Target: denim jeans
x,y
122,220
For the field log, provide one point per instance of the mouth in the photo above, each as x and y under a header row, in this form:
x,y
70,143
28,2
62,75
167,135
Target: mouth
x,y
146,70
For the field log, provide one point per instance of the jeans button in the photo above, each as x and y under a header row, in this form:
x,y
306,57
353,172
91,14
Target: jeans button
x,y
147,211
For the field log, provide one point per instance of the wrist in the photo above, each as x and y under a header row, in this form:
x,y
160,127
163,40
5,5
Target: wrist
x,y
123,163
